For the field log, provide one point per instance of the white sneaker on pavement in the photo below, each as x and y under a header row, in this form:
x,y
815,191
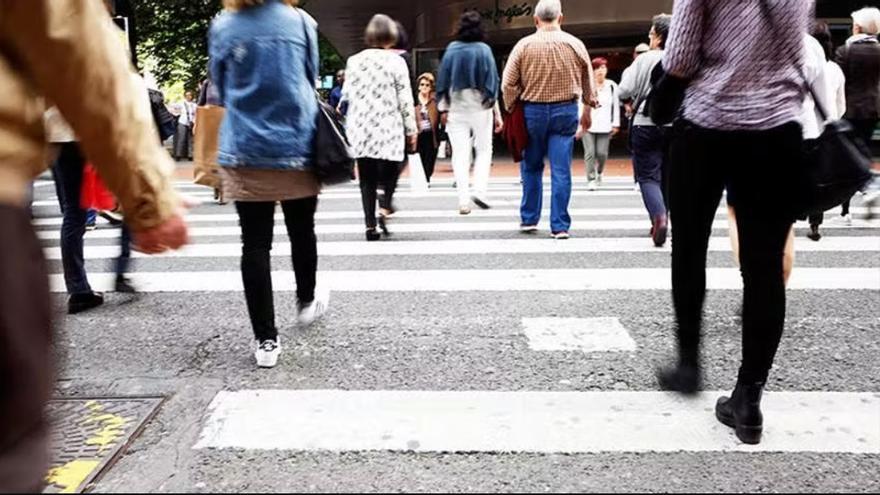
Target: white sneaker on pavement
x,y
591,186
311,312
267,353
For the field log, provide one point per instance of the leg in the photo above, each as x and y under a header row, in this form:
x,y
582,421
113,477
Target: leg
x,y
764,224
648,163
788,256
483,128
563,126
26,373
368,174
426,142
734,233
189,142
697,182
59,189
532,166
459,132
257,226
389,174
603,141
69,167
299,216
589,140
124,259
177,144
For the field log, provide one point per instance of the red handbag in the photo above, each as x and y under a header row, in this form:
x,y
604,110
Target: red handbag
x,y
94,195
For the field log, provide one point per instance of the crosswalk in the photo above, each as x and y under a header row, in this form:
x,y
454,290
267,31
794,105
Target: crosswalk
x,y
479,295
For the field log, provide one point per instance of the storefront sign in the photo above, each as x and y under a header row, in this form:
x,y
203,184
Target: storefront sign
x,y
515,11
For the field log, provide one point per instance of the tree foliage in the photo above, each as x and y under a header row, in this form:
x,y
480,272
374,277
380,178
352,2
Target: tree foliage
x,y
173,40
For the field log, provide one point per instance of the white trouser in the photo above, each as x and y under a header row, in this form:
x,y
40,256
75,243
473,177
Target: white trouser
x,y
459,126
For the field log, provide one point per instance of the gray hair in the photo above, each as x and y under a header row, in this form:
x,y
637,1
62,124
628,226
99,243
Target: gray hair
x,y
381,32
868,19
548,10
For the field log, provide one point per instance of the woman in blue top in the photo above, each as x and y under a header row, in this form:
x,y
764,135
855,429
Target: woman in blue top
x,y
467,96
264,59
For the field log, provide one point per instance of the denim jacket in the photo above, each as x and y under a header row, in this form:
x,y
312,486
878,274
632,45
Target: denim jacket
x,y
264,64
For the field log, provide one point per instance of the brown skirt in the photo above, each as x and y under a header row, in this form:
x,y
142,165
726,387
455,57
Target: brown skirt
x,y
250,184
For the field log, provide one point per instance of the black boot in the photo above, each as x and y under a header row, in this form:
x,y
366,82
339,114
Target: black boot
x,y
84,302
742,412
684,378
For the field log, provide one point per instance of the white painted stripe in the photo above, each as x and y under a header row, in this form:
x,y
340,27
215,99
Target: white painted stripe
x,y
578,334
447,227
443,213
477,246
541,422
483,280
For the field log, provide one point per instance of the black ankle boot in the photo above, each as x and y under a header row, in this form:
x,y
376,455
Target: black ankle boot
x,y
742,412
372,235
684,378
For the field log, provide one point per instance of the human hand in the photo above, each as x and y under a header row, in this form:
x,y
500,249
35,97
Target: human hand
x,y
586,122
499,125
413,141
615,131
444,117
171,234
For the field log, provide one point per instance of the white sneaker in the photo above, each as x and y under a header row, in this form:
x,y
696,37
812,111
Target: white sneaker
x,y
309,313
267,353
599,180
591,186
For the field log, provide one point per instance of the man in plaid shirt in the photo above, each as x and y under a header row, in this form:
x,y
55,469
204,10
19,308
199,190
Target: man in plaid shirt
x,y
548,72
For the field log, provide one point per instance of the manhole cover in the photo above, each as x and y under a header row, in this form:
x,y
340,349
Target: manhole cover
x,y
88,435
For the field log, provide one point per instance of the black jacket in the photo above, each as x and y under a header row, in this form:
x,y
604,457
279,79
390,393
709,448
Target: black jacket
x,y
860,62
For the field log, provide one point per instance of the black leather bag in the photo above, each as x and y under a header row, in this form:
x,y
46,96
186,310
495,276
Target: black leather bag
x,y
333,160
833,167
666,98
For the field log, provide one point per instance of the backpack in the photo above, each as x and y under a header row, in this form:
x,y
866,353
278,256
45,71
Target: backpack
x,y
166,122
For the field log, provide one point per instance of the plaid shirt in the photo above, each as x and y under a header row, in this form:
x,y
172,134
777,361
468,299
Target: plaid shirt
x,y
548,67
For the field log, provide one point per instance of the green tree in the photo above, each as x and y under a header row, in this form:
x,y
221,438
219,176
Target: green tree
x,y
173,40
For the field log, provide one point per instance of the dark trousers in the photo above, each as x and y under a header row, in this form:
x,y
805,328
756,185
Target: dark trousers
x,y
373,172
649,155
69,172
864,129
703,161
183,142
25,361
257,220
428,153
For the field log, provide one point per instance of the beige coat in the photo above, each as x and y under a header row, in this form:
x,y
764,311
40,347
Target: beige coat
x,y
67,51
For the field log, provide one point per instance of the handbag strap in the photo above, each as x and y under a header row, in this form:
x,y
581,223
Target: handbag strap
x,y
765,10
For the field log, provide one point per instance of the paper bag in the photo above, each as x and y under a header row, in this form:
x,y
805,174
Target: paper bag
x,y
206,144
417,180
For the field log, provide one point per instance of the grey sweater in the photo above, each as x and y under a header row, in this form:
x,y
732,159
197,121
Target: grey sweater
x,y
636,83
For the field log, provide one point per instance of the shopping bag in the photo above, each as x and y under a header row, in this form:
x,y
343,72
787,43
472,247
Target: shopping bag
x,y
417,180
441,151
94,195
205,145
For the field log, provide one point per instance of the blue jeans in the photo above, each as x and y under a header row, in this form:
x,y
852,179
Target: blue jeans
x,y
69,171
552,128
124,258
648,151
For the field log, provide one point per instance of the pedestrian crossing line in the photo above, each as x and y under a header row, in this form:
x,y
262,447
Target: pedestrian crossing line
x,y
531,422
578,334
434,213
476,247
563,280
444,227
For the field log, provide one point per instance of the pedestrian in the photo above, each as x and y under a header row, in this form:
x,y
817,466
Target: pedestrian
x,y
549,71
606,124
335,99
835,82
429,122
860,60
185,121
381,122
266,150
68,169
64,51
467,92
649,141
738,125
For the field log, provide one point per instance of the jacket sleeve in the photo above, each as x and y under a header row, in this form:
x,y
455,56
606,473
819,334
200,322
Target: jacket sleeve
x,y
684,46
615,102
405,99
70,50
511,83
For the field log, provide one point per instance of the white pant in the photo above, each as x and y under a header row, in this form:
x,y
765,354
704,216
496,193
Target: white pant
x,y
460,125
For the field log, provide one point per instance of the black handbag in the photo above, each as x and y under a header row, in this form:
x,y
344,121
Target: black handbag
x,y
833,167
666,98
332,160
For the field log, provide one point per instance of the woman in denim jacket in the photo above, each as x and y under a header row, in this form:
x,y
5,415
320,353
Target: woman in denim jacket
x,y
264,59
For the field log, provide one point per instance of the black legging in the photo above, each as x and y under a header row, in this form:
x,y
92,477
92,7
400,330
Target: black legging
x,y
703,161
257,219
372,172
428,152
